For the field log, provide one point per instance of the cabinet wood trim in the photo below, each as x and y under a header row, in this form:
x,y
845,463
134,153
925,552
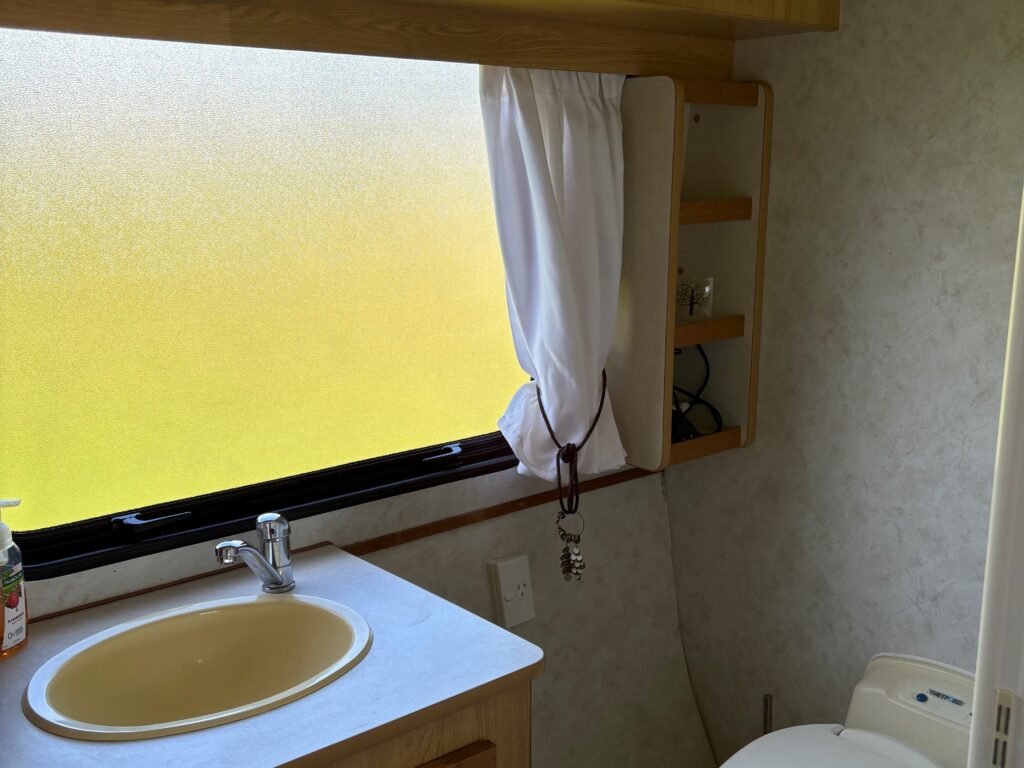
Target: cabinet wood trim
x,y
714,211
737,94
707,445
422,738
715,329
476,33
482,754
454,522
762,232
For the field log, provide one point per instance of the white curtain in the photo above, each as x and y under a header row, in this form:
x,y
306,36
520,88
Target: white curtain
x,y
554,142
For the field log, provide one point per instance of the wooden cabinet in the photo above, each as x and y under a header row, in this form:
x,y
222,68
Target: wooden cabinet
x,y
722,229
493,733
686,37
697,158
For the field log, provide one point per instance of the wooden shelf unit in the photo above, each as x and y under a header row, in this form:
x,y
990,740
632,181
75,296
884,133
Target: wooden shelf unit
x,y
700,447
706,331
713,211
724,177
728,150
720,164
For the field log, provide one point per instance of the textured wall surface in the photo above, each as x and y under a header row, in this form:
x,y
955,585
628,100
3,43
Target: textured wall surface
x,y
856,523
615,691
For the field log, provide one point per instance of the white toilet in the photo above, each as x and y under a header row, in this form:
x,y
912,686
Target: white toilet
x,y
906,713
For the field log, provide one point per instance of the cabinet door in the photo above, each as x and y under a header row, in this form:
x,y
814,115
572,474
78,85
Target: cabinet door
x,y
639,365
479,754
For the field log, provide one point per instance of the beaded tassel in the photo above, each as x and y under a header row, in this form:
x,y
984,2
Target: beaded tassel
x,y
572,558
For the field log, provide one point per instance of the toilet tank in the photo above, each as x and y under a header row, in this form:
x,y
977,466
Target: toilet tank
x,y
922,703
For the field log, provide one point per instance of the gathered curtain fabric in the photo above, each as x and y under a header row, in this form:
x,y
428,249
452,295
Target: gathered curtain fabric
x,y
554,145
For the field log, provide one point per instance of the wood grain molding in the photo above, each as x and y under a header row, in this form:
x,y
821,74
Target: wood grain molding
x,y
482,754
715,211
726,19
475,32
434,735
699,447
762,233
736,94
421,28
822,14
715,329
454,522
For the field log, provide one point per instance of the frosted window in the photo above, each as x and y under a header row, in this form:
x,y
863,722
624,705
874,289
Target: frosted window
x,y
222,266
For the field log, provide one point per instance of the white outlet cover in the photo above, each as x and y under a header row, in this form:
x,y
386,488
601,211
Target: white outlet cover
x,y
512,590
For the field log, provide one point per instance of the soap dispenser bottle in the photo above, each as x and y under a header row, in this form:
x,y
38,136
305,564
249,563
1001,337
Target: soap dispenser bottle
x,y
13,614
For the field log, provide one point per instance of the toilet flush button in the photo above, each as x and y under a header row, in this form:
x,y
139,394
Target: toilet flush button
x,y
938,698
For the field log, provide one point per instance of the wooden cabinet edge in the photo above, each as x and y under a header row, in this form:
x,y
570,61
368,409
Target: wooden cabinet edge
x,y
738,93
399,28
344,753
502,720
479,754
225,22
715,211
759,264
707,331
708,445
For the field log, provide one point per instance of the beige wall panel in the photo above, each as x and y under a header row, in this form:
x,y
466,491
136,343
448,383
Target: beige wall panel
x,y
856,522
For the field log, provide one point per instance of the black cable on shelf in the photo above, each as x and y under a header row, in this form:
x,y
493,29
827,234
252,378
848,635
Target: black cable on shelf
x,y
682,427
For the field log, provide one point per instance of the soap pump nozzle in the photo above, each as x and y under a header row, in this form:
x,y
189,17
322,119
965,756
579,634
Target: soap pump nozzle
x,y
6,539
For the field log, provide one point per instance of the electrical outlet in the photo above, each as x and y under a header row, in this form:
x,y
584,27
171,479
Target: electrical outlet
x,y
512,590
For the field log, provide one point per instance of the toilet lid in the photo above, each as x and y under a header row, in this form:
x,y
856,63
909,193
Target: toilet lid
x,y
827,745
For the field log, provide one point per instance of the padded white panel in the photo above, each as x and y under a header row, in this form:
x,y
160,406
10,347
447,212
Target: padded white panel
x,y
638,360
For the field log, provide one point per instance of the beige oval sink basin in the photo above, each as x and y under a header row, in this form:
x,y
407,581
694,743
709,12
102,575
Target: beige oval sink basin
x,y
195,667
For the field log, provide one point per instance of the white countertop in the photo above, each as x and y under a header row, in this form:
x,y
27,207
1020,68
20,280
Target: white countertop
x,y
425,653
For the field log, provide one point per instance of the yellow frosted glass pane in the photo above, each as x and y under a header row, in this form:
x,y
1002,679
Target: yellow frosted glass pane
x,y
222,266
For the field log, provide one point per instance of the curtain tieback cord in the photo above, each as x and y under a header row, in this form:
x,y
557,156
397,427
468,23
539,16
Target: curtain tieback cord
x,y
569,494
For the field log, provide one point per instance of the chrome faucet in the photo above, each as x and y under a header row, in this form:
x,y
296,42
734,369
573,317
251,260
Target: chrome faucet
x,y
272,562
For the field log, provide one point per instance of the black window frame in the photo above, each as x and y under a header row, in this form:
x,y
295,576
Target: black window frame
x,y
78,546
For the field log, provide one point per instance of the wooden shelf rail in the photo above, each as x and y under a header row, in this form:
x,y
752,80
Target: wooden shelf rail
x,y
699,447
712,211
715,329
721,92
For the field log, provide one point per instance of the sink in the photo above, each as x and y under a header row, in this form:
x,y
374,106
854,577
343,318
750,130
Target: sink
x,y
195,667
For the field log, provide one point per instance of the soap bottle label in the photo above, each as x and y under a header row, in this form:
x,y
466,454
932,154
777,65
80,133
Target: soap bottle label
x,y
12,592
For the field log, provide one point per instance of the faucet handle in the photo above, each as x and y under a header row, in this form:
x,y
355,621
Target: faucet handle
x,y
272,526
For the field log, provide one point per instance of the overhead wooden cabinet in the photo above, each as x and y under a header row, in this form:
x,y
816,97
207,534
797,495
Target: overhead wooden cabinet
x,y
688,38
